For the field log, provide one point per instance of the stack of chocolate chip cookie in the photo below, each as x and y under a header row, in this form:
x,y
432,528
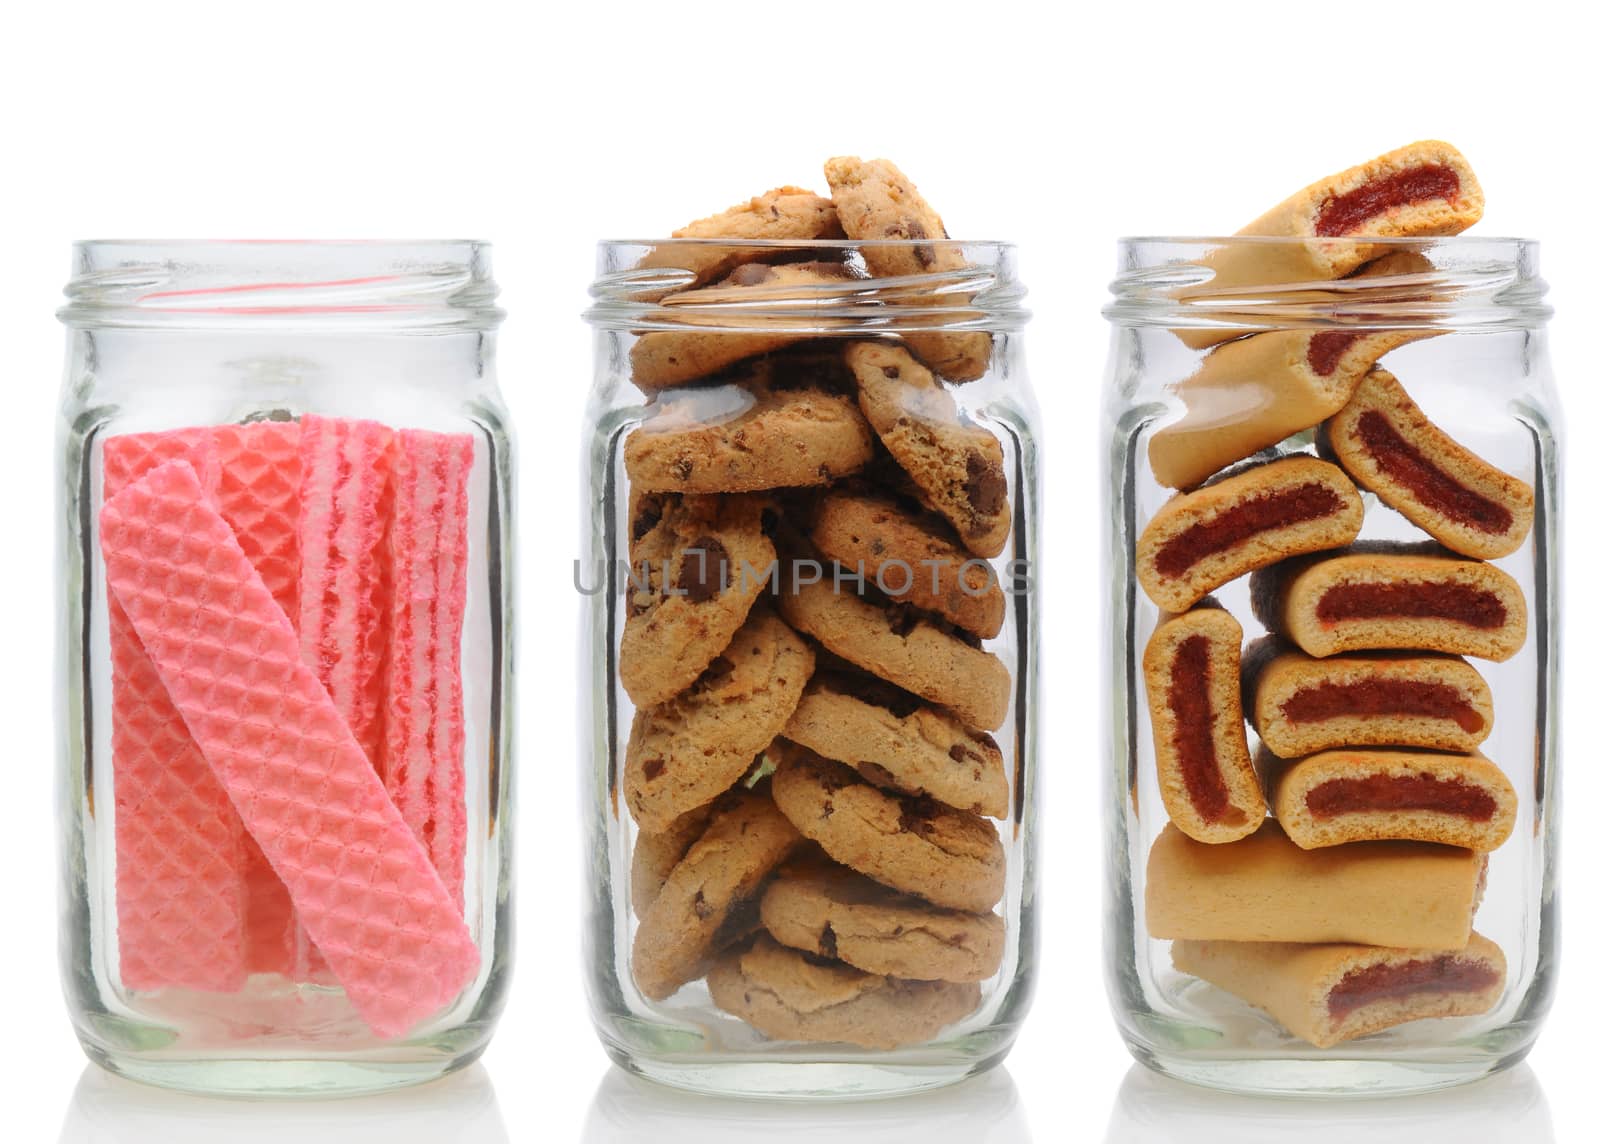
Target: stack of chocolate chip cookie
x,y
1351,909
811,520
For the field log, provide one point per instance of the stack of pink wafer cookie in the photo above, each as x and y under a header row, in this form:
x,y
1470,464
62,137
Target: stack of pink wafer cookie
x,y
351,539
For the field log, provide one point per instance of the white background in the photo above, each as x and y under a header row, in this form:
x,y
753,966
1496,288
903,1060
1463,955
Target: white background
x,y
546,127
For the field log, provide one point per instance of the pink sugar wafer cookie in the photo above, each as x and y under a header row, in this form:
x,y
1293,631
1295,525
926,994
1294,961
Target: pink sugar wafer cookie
x,y
426,728
258,493
182,853
230,659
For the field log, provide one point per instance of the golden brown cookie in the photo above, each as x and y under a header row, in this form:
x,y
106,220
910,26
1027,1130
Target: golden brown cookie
x,y
911,649
790,996
694,577
949,857
686,751
960,466
778,422
822,908
654,855
781,214
1191,677
897,740
664,358
1265,888
1389,446
1367,793
1255,392
875,202
1199,541
1300,705
709,899
1329,994
1407,600
911,556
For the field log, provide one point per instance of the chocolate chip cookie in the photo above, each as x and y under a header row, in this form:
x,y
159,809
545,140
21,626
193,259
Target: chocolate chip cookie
x,y
896,740
912,649
822,908
780,422
664,358
685,752
960,466
949,857
780,214
693,579
876,201
791,996
912,556
709,899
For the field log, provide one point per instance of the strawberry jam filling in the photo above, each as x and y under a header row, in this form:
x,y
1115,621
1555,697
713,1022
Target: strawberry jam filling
x,y
1401,461
1325,349
1406,979
1276,509
1190,699
1400,792
1382,697
1347,213
1423,601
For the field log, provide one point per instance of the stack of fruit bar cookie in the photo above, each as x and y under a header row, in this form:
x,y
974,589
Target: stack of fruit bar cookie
x,y
811,521
287,601
1350,910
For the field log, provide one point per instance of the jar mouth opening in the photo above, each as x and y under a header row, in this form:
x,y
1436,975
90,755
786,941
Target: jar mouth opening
x,y
1252,283
646,285
427,285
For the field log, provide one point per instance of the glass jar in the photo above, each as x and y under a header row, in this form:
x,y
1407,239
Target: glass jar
x,y
810,655
1334,648
285,657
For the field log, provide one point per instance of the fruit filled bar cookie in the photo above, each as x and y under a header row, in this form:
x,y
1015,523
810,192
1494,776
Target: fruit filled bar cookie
x,y
1265,888
1389,446
1363,794
1420,190
1199,541
1393,599
1254,392
1328,994
1299,704
1191,675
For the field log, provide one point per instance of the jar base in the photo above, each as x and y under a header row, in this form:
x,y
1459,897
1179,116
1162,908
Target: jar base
x,y
1324,1078
279,1079
777,1079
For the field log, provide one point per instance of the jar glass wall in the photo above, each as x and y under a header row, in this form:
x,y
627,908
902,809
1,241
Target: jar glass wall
x,y
810,656
285,539
1333,529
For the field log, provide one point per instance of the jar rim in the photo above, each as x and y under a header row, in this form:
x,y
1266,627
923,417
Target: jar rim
x,y
1251,283
392,286
638,291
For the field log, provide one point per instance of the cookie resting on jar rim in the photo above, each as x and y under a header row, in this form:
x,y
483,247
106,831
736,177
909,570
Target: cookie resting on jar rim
x,y
284,781
811,647
1333,639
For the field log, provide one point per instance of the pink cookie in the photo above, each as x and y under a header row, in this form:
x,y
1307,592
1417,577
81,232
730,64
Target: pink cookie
x,y
230,659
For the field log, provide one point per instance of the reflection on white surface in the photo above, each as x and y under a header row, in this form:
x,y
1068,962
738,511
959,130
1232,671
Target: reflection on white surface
x,y
986,1109
460,1109
1153,1109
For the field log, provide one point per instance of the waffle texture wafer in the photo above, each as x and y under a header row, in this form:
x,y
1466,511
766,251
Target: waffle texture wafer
x,y
230,659
425,727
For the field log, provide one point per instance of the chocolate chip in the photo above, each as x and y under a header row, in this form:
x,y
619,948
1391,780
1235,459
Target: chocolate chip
x,y
986,484
702,908
892,372
653,768
960,753
703,570
828,942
